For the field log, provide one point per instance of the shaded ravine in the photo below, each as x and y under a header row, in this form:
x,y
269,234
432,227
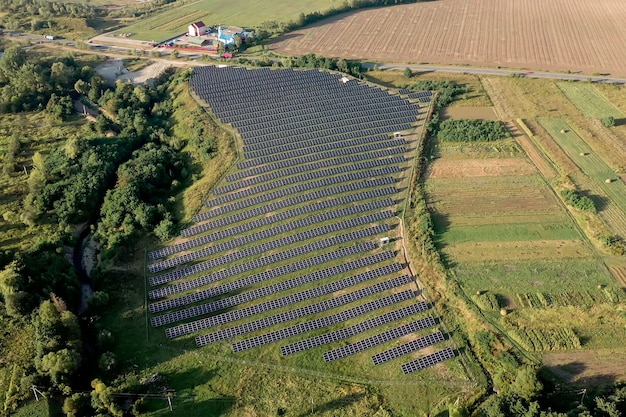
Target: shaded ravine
x,y
86,282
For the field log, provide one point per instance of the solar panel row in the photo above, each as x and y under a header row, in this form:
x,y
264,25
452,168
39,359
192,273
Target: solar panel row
x,y
428,360
281,229
326,159
327,320
318,176
277,217
339,147
407,348
316,169
270,259
378,339
344,333
302,187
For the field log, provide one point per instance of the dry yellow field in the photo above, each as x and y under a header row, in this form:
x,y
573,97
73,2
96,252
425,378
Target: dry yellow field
x,y
561,35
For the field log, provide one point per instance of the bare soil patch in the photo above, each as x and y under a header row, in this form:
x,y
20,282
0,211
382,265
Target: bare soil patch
x,y
114,69
514,250
588,366
559,35
484,113
450,168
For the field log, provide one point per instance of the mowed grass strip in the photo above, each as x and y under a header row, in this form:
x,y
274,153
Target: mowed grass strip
x,y
526,276
510,232
588,161
246,13
589,100
516,250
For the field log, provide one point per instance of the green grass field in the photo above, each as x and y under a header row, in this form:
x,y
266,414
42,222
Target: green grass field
x,y
589,100
506,232
246,13
591,164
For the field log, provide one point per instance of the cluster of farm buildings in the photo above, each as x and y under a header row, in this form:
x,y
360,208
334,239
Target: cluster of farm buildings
x,y
199,35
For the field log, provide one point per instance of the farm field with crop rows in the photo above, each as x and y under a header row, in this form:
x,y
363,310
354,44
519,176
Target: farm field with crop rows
x,y
589,100
612,205
571,35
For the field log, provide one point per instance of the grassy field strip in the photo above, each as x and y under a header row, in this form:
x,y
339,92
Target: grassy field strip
x,y
516,250
524,136
445,220
515,232
246,13
593,166
522,276
589,100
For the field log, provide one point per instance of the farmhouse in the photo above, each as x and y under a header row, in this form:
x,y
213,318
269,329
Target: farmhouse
x,y
227,35
197,29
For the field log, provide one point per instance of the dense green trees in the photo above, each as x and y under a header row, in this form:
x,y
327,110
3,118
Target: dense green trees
x,y
28,82
471,130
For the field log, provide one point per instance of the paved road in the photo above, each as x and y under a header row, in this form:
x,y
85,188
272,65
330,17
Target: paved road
x,y
501,72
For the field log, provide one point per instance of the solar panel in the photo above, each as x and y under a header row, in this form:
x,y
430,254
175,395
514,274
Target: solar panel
x,y
407,348
428,360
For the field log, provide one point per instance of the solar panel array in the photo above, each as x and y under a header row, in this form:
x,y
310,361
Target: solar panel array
x,y
268,220
335,336
428,360
379,339
407,348
326,321
318,173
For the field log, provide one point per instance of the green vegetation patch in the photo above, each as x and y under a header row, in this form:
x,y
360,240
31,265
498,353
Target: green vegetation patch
x,y
471,130
578,200
509,232
546,276
589,101
588,161
543,340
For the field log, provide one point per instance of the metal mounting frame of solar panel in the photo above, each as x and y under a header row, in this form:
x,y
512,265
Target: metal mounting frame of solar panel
x,y
406,348
428,360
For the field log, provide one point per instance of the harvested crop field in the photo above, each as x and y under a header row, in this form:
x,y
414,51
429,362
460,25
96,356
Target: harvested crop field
x,y
484,113
606,366
451,168
559,35
514,250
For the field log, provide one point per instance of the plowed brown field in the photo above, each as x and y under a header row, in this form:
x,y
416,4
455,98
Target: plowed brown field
x,y
561,35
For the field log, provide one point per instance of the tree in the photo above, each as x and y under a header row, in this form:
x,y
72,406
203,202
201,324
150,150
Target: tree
x,y
97,301
609,121
102,399
174,54
165,229
107,362
81,87
238,41
526,383
407,73
60,365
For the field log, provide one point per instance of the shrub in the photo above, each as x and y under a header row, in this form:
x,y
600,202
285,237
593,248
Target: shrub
x,y
578,200
609,121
